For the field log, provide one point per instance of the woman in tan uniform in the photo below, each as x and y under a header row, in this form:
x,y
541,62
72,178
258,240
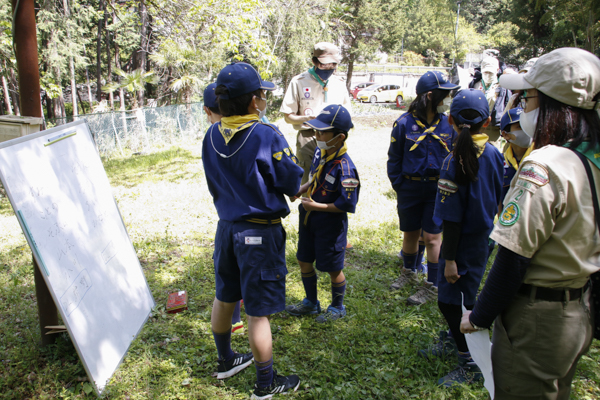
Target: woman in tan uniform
x,y
538,288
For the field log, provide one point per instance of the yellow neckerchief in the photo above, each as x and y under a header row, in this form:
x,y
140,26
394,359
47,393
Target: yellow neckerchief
x,y
426,131
480,139
315,178
510,157
231,125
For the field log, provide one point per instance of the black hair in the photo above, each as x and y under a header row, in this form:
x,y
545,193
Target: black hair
x,y
421,103
559,123
465,150
236,106
214,110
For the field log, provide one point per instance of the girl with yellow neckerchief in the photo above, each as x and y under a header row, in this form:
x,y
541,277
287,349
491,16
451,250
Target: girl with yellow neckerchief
x,y
420,141
332,190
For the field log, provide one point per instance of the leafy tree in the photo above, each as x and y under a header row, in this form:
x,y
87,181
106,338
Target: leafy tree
x,y
133,82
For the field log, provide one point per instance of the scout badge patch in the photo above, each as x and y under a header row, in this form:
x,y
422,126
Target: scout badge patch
x,y
448,186
510,214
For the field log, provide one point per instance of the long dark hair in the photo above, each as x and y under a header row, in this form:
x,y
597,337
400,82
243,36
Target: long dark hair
x,y
465,150
558,123
421,104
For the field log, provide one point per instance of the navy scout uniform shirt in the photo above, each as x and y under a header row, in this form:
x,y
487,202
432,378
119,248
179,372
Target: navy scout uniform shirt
x,y
425,159
338,184
249,176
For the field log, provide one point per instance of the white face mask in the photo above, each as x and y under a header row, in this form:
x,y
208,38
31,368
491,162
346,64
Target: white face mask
x,y
488,77
445,105
324,146
521,139
262,113
528,121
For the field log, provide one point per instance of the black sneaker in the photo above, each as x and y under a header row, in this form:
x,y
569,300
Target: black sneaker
x,y
444,347
466,372
280,385
229,368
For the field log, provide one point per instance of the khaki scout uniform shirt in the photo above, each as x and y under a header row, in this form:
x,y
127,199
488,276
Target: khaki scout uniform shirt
x,y
305,96
549,217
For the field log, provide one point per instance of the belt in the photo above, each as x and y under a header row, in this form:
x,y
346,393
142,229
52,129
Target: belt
x,y
422,178
548,294
264,221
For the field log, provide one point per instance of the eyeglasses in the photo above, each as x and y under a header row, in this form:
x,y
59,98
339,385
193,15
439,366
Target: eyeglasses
x,y
524,99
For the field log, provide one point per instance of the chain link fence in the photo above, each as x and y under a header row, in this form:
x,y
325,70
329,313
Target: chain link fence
x,y
144,129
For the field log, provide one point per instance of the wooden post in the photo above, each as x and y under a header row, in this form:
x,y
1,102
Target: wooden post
x,y
31,105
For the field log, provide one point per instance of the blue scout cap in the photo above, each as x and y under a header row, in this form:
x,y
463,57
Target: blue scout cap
x,y
210,99
470,99
510,117
333,116
241,78
434,80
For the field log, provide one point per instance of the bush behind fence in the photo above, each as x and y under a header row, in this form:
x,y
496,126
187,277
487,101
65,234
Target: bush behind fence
x,y
144,129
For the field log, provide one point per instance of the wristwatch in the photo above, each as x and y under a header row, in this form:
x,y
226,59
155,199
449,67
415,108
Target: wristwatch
x,y
478,328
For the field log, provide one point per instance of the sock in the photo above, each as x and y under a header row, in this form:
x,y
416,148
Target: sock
x,y
236,314
223,342
420,254
465,355
309,280
264,373
432,272
410,260
453,314
337,294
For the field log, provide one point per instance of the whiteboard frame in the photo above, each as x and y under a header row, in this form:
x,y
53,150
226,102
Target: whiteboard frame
x,y
10,143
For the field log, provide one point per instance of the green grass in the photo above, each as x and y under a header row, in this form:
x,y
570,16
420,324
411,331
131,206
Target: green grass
x,y
171,219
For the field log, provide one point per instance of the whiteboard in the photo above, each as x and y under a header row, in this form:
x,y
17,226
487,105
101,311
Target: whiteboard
x,y
61,195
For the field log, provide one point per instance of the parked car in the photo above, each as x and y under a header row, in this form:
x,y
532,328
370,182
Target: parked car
x,y
358,87
381,93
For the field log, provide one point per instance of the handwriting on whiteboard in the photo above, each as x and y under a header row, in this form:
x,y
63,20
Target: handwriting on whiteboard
x,y
76,292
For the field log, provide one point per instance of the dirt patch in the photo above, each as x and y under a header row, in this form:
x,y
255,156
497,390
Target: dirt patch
x,y
377,121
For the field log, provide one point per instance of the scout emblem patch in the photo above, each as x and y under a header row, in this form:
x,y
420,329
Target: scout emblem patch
x,y
447,186
308,111
307,93
350,183
287,151
415,128
393,139
278,155
510,214
534,173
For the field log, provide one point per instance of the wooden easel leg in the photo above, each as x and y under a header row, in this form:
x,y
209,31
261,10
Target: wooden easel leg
x,y
46,308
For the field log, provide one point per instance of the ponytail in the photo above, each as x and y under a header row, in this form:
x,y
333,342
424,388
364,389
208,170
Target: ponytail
x,y
465,150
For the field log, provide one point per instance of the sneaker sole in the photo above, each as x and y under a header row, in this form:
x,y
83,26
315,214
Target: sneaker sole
x,y
268,396
233,371
296,314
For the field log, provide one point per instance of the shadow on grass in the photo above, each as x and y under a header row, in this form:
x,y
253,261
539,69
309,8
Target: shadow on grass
x,y
168,165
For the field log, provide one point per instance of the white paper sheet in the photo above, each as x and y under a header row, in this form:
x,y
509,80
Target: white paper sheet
x,y
480,348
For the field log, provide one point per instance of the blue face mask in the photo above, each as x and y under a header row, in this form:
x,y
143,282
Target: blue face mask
x,y
324,74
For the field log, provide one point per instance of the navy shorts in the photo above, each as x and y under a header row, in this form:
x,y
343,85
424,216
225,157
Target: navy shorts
x,y
471,260
323,239
250,264
416,202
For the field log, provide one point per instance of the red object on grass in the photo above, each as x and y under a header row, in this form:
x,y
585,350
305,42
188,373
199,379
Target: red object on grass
x,y
177,302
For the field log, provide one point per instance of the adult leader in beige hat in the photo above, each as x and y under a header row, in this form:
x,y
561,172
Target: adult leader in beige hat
x,y
309,93
538,288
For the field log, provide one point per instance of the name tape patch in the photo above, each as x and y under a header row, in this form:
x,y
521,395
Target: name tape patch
x,y
253,240
350,183
447,186
330,179
534,173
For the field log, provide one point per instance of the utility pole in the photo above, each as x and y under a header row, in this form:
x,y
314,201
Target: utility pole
x,y
456,31
25,46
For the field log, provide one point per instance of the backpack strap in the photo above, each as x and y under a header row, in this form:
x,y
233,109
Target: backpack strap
x,y
588,170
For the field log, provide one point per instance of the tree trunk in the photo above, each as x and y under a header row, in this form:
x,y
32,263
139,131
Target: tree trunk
x,y
6,95
89,87
81,102
111,96
141,55
99,56
349,74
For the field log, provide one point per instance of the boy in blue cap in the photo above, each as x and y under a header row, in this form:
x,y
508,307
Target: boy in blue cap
x,y
467,201
249,168
332,190
519,146
213,115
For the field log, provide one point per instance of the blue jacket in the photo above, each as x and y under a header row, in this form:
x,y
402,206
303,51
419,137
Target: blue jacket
x,y
249,176
424,160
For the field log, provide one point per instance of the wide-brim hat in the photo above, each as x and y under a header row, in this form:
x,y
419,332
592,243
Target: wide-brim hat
x,y
241,78
569,75
332,117
327,53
